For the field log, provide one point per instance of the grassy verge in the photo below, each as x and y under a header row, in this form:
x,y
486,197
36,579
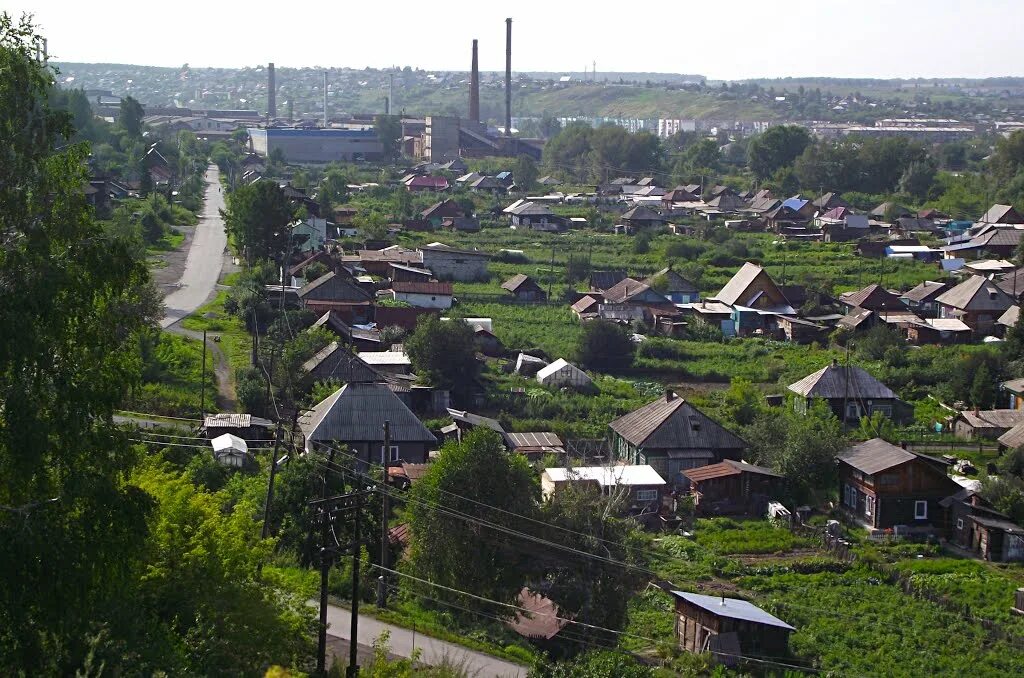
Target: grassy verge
x,y
172,378
234,339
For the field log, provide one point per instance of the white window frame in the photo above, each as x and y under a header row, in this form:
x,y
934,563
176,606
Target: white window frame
x,y
394,453
646,495
920,515
959,523
869,505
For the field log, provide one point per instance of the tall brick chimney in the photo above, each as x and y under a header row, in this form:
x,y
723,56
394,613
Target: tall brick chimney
x,y
474,88
271,92
508,77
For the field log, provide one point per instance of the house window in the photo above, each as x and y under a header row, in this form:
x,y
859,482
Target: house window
x,y
394,453
852,412
959,523
920,510
646,495
869,505
886,410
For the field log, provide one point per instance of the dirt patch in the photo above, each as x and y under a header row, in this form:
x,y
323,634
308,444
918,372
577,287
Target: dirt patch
x,y
170,266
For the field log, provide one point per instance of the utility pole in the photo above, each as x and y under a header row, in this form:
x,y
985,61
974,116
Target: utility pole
x,y
551,271
325,569
270,483
353,646
385,457
202,383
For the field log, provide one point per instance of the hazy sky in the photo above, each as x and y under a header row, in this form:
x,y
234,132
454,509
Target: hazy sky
x,y
725,39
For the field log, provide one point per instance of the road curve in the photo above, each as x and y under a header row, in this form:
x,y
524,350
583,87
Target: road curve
x,y
205,257
403,641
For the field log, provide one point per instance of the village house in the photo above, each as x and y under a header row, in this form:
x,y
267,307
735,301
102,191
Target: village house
x,y
850,392
524,288
244,426
922,299
635,293
728,628
339,293
641,217
1013,284
640,488
873,298
431,294
403,273
754,299
830,201
449,263
336,362
675,287
973,524
439,211
361,338
882,486
354,416
732,488
378,262
672,435
1013,391
419,183
1001,214
603,280
394,363
936,331
992,240
985,424
977,301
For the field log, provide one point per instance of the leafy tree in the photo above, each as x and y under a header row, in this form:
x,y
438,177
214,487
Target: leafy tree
x,y
703,155
73,304
130,117
604,344
589,590
983,392
743,401
593,664
444,352
778,147
257,218
450,551
878,426
918,178
1008,158
389,131
525,173
549,125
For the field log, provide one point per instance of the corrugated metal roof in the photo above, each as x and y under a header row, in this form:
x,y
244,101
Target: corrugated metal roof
x,y
977,293
234,420
732,608
875,455
727,468
839,381
439,288
674,424
331,287
357,412
335,361
608,476
538,439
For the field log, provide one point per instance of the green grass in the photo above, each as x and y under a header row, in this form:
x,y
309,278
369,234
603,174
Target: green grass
x,y
172,240
852,623
725,536
235,341
171,379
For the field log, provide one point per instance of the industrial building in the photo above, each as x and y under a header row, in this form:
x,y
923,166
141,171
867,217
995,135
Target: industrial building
x,y
317,145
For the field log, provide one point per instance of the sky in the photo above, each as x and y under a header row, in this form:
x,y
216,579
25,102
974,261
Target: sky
x,y
726,39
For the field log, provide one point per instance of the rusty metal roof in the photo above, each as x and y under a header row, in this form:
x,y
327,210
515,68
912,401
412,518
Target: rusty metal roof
x,y
726,468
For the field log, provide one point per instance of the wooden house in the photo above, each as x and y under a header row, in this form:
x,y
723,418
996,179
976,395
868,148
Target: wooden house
x,y
641,217
334,292
363,339
754,299
1013,391
430,294
672,435
873,298
336,362
977,301
985,424
354,416
850,392
973,524
1001,214
882,485
603,280
732,488
439,211
406,274
922,299
524,288
675,287
728,628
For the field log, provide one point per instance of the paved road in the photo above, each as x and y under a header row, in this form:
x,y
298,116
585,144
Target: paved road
x,y
404,641
205,256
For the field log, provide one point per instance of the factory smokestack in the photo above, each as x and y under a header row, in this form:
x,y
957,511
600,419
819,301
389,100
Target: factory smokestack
x,y
325,98
271,92
508,77
474,88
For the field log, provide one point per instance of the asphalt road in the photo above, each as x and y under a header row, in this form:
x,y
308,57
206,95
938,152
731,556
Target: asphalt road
x,y
403,641
205,257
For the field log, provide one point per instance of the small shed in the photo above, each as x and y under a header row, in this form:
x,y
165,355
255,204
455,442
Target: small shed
x,y
562,373
528,365
230,450
728,627
732,488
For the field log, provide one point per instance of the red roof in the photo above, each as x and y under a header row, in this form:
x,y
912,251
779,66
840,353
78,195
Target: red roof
x,y
442,288
436,183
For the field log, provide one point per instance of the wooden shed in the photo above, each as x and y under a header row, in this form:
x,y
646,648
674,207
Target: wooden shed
x,y
728,627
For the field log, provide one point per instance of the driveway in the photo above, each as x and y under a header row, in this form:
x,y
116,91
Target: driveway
x,y
403,641
205,257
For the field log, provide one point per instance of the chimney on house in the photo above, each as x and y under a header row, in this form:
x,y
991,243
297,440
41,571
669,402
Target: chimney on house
x,y
271,92
508,77
474,88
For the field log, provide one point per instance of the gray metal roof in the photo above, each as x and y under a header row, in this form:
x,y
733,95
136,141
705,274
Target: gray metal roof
x,y
331,287
335,361
673,281
602,280
875,455
357,412
674,424
925,291
475,420
874,297
977,293
537,439
732,608
840,381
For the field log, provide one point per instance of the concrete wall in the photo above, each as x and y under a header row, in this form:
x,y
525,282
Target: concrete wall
x,y
447,265
317,145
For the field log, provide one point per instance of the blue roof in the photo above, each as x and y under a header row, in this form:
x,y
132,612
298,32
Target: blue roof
x,y
953,264
503,175
314,132
733,608
795,204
